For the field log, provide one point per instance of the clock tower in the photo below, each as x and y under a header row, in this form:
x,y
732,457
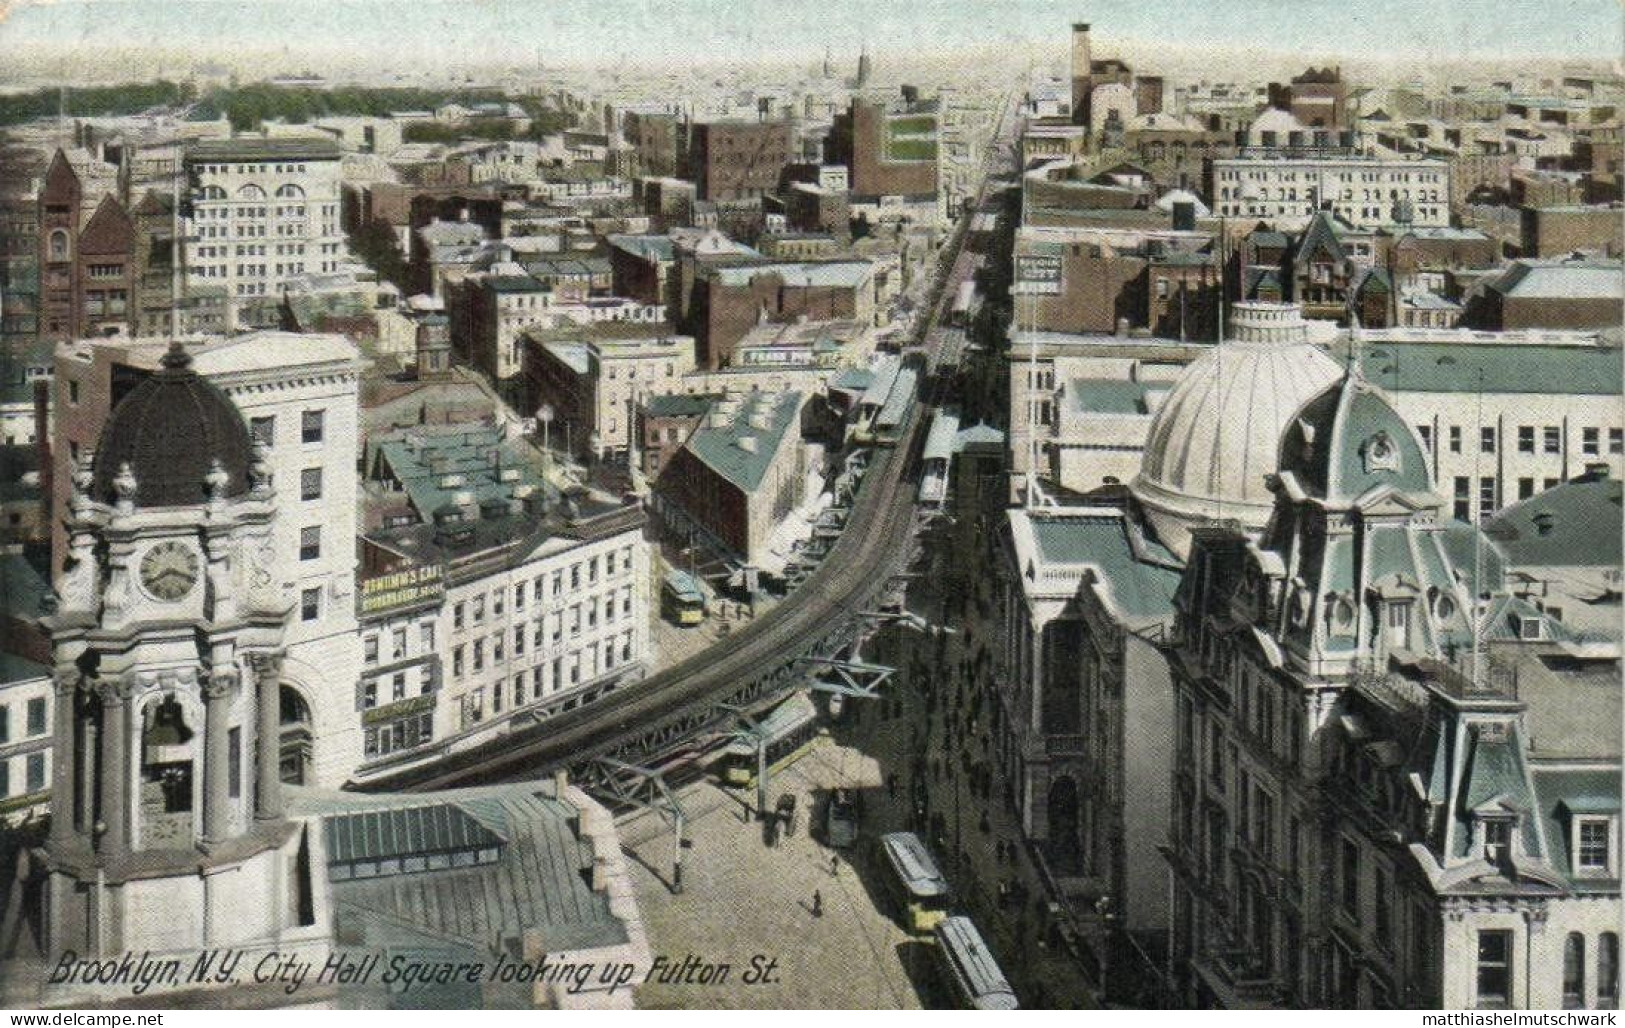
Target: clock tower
x,y
167,827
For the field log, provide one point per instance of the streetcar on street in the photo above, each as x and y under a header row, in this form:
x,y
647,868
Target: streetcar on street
x,y
973,974
787,731
682,599
921,891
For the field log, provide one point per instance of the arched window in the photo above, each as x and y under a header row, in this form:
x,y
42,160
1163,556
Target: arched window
x,y
59,245
290,192
1608,970
1574,970
251,192
213,193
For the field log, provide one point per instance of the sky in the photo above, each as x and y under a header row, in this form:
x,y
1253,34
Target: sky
x,y
597,32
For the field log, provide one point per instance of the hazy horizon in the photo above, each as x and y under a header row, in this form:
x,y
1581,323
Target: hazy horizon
x,y
326,35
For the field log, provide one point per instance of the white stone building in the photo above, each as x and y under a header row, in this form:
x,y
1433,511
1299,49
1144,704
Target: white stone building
x,y
26,697
298,394
1367,192
261,211
491,600
1215,438
1502,415
1385,791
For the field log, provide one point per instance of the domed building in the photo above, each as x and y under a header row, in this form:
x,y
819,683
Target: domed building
x,y
1217,436
170,430
167,824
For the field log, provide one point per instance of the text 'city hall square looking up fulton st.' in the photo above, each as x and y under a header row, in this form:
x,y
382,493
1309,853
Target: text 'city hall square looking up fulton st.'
x,y
517,506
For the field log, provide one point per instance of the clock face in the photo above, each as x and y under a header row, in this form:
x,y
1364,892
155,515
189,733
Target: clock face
x,y
169,570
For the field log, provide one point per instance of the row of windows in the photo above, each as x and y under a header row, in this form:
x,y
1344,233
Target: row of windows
x,y
403,734
472,611
1496,969
312,429
1312,172
1267,208
398,642
252,169
539,633
564,671
1550,439
1489,498
33,721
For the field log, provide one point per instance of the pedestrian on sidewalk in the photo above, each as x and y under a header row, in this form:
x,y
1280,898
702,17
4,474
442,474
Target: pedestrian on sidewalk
x,y
818,904
834,865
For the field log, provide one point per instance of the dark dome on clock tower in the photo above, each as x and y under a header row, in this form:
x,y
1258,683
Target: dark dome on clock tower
x,y
170,429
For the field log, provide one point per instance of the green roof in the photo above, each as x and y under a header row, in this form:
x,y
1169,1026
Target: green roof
x,y
1577,523
647,247
538,882
408,831
1562,794
1507,367
1109,396
1460,541
1349,440
1137,589
513,284
853,379
422,458
679,405
23,585
719,446
1495,774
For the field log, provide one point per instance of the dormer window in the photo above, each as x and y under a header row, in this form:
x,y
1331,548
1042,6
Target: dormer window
x,y
1399,624
1593,845
1495,839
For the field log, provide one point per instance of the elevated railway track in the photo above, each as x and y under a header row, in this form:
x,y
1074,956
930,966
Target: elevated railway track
x,y
644,723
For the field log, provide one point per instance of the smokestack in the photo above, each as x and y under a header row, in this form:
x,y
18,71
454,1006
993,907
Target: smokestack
x,y
1081,65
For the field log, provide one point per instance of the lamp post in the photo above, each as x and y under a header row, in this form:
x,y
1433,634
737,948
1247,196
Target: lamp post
x,y
545,414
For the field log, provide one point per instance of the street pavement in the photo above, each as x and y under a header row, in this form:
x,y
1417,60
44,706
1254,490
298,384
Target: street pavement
x,y
745,899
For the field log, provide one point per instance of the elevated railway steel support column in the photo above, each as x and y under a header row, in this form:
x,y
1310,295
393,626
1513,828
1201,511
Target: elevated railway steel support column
x,y
649,791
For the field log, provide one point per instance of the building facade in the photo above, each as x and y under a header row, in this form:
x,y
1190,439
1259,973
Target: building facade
x,y
299,394
1363,191
738,160
261,211
173,584
1366,810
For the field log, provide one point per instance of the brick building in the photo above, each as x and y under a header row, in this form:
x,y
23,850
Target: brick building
x,y
86,239
889,149
1551,294
738,160
1167,282
727,301
656,139
1558,231
809,207
741,472
1318,98
664,424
